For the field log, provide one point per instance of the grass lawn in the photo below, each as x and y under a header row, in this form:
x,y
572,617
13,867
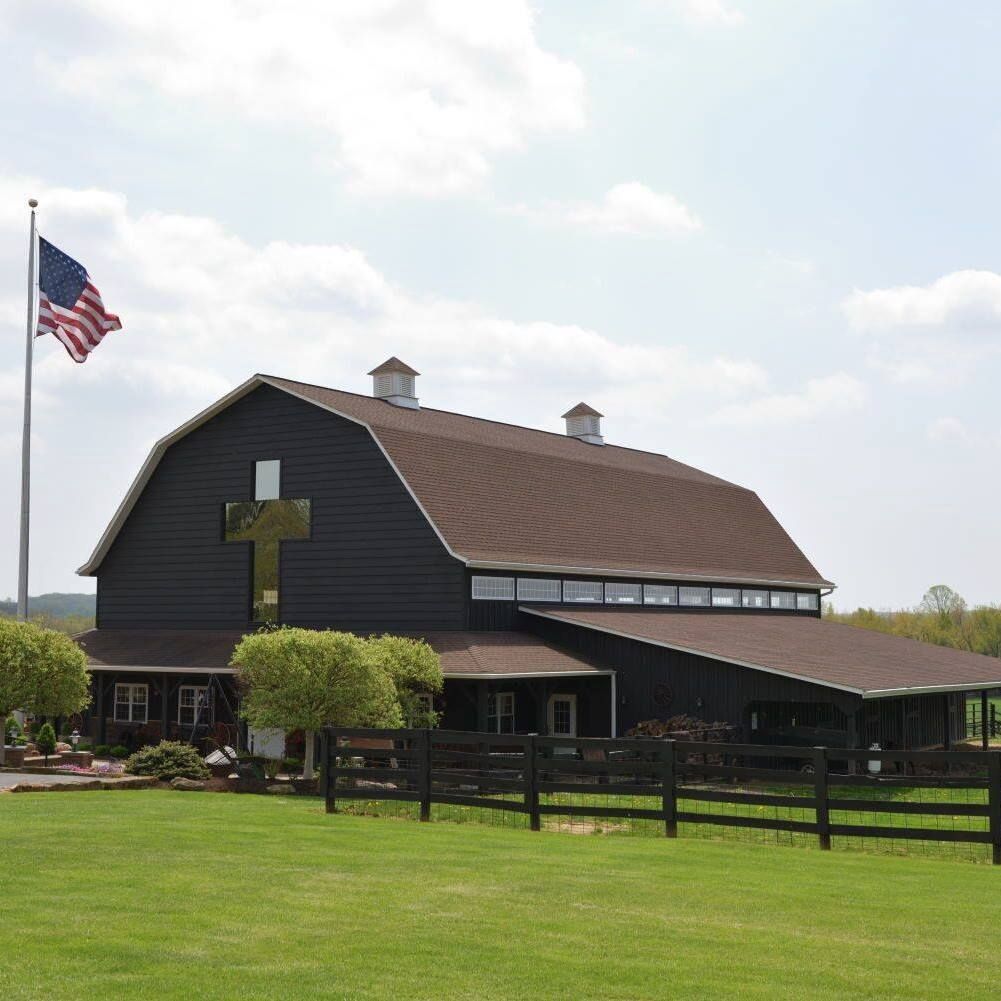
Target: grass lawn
x,y
159,894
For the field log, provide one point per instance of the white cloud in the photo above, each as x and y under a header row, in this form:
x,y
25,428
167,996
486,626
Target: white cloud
x,y
414,98
838,393
628,208
713,13
945,430
969,299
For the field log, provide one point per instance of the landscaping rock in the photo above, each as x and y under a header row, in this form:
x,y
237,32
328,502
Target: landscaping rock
x,y
279,789
187,785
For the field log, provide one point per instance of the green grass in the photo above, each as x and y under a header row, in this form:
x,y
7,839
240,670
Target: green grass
x,y
200,896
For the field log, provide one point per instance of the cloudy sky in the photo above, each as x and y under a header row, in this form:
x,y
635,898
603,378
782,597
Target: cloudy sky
x,y
762,236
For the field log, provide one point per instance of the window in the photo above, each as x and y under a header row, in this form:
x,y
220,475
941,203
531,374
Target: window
x,y
131,703
806,602
726,597
563,715
783,599
660,594
493,588
756,599
623,594
534,589
267,479
583,590
693,595
500,712
194,702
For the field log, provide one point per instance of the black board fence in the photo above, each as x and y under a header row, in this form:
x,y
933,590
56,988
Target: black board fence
x,y
524,773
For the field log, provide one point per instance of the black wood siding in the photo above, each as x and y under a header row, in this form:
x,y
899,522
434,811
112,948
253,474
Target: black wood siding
x,y
373,561
656,683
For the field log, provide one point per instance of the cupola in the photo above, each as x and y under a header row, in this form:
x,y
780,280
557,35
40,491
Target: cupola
x,y
395,382
584,422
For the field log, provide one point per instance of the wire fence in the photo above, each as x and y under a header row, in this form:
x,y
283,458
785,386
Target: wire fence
x,y
934,803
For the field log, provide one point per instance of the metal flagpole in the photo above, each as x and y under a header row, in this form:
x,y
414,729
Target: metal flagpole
x,y
22,568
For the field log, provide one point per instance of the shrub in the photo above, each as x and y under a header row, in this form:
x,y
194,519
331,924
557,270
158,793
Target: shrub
x,y
119,751
45,740
167,760
102,750
11,730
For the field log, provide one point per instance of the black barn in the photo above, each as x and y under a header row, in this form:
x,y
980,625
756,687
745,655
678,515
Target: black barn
x,y
570,586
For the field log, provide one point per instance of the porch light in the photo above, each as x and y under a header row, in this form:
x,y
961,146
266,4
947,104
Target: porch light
x,y
75,738
875,765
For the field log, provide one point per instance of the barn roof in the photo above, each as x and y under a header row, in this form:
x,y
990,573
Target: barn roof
x,y
862,661
463,654
511,497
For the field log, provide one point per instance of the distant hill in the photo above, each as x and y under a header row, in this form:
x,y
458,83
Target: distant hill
x,y
56,606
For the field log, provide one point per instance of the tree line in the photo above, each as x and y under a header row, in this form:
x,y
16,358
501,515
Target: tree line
x,y
942,617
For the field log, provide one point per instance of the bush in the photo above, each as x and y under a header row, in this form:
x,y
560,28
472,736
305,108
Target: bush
x,y
119,751
45,740
12,730
167,760
102,750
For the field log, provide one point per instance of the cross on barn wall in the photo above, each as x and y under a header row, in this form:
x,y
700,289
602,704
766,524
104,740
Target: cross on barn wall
x,y
266,522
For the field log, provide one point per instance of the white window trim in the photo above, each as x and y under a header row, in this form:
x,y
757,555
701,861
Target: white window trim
x,y
180,706
132,704
498,716
539,580
492,597
633,597
551,714
583,598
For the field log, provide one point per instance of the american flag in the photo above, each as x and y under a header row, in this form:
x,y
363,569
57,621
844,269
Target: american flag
x,y
69,304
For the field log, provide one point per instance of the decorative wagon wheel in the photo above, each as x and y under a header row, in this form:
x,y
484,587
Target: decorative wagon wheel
x,y
662,694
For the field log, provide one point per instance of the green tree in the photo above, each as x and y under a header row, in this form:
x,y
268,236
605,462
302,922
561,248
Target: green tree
x,y
301,679
41,671
45,741
415,669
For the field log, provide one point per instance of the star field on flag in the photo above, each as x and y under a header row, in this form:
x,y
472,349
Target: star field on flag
x,y
69,304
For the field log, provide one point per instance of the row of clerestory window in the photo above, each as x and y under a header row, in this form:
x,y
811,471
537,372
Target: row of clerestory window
x,y
596,592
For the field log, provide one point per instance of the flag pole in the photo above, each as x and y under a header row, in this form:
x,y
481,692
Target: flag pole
x,y
22,568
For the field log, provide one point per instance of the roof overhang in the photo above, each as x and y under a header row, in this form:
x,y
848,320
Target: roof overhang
x,y
504,675
684,649
151,669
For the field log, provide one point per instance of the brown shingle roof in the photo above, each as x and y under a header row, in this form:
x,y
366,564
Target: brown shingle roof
x,y
472,654
828,653
582,410
504,494
393,364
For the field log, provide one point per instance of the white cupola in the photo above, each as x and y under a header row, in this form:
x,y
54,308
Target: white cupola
x,y
394,382
584,422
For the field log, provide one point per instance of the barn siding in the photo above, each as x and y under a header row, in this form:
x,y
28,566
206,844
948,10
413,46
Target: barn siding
x,y
373,561
656,683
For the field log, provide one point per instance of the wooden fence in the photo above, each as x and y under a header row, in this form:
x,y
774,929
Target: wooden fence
x,y
518,773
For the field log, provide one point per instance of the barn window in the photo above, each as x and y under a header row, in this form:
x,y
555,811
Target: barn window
x,y
267,479
582,590
755,599
726,597
693,595
623,594
131,703
194,702
783,599
493,588
537,589
806,602
660,594
500,712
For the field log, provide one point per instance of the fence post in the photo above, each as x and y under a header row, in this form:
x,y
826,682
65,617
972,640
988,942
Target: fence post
x,y
532,785
994,803
424,774
668,789
820,797
328,774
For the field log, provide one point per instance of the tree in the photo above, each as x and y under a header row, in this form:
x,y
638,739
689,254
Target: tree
x,y
415,669
301,679
46,741
942,600
41,671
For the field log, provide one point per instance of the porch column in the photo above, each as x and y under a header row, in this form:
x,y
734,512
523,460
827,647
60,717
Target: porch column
x,y
102,721
481,707
985,727
164,691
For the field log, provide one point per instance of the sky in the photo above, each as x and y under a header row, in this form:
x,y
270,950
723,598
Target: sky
x,y
760,236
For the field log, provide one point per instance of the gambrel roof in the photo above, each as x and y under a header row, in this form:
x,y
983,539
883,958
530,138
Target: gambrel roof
x,y
514,498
